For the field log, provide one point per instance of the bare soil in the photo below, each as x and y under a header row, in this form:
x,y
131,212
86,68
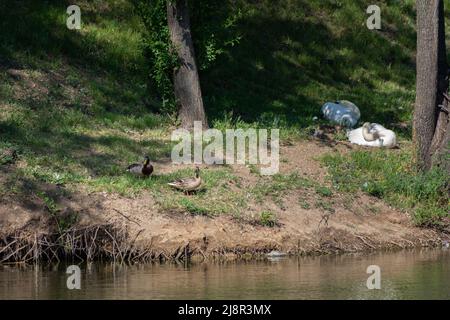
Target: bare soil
x,y
357,222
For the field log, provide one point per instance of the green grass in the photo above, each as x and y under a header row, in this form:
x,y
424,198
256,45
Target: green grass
x,y
324,191
295,55
85,116
63,221
304,203
268,219
279,185
215,197
90,111
325,205
389,175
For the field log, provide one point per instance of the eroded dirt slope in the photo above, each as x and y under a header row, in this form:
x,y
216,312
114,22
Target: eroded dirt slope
x,y
355,222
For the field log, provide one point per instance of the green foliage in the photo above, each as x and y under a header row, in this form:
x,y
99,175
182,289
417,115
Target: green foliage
x,y
7,153
324,191
279,184
295,55
214,198
304,203
160,57
213,28
63,222
389,175
325,205
109,39
193,208
267,219
291,57
50,204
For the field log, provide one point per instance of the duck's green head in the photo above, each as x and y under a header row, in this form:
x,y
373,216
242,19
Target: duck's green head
x,y
146,160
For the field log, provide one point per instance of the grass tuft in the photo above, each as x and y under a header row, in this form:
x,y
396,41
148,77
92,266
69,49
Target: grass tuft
x,y
268,219
389,175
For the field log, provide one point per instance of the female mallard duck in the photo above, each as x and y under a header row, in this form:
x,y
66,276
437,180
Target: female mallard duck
x,y
141,170
188,184
373,135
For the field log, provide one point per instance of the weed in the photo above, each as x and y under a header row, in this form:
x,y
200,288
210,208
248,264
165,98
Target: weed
x,y
63,221
267,219
323,191
278,185
325,205
304,204
193,208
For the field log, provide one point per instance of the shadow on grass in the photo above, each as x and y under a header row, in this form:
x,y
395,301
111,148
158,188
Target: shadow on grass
x,y
104,58
39,29
48,207
99,155
294,56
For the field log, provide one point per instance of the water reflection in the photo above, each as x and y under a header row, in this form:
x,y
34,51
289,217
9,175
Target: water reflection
x,y
423,274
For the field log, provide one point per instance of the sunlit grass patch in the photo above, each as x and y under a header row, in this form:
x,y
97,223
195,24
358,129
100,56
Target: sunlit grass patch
x,y
216,196
323,191
125,54
278,185
390,175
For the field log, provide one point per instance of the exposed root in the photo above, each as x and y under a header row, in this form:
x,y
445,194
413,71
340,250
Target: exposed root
x,y
97,242
85,244
112,243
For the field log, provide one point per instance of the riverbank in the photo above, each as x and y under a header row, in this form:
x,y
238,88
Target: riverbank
x,y
296,212
76,108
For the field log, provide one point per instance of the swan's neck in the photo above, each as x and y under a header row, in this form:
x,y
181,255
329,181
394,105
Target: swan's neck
x,y
368,136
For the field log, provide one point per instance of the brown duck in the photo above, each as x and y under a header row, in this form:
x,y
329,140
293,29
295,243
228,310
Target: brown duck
x,y
188,185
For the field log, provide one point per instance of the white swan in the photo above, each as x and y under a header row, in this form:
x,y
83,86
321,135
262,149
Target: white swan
x,y
373,135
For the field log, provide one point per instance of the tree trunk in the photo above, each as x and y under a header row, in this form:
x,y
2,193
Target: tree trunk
x,y
186,79
431,119
440,147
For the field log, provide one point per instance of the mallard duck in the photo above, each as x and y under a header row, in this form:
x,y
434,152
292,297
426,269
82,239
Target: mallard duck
x,y
373,135
188,184
142,170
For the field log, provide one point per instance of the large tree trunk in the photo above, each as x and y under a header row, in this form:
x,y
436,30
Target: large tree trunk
x,y
440,147
431,119
186,80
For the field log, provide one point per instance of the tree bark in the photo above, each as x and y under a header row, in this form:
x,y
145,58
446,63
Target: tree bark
x,y
186,79
440,147
431,119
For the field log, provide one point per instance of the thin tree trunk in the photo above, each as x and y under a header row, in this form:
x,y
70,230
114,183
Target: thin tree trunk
x,y
430,115
186,79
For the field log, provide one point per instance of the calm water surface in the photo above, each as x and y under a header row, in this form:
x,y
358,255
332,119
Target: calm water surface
x,y
423,274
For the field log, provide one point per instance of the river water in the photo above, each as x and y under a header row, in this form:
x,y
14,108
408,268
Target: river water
x,y
418,274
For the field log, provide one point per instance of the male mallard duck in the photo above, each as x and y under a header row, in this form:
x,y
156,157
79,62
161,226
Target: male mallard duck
x,y
141,170
188,184
373,135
